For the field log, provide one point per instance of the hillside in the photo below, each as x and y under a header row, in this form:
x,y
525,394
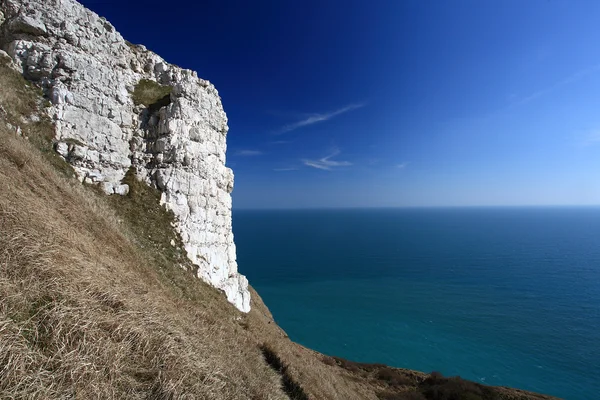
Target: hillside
x,y
98,299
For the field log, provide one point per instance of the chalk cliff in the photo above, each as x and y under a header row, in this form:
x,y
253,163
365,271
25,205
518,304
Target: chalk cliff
x,y
176,143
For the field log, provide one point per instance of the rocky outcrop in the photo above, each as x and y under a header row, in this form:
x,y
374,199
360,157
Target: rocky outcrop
x,y
176,143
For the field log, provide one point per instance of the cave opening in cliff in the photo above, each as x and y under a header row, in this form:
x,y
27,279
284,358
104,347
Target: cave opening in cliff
x,y
160,103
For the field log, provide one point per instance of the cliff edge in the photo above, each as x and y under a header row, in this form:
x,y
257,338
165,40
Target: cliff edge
x,y
116,107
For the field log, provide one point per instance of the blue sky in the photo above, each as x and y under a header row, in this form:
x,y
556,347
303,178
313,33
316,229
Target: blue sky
x,y
393,103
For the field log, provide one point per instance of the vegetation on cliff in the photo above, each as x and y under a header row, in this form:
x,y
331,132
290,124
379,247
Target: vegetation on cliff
x,y
148,92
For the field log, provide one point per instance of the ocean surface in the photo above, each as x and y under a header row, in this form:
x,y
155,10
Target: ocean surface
x,y
502,296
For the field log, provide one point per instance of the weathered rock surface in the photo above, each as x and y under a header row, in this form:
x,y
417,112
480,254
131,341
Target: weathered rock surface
x,y
88,71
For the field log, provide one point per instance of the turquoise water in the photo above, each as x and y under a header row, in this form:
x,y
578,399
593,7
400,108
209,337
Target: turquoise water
x,y
501,296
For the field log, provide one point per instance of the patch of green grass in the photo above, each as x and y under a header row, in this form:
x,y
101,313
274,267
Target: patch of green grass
x,y
141,206
148,92
41,134
151,227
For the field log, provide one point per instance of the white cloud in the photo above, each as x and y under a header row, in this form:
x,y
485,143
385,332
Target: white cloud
x,y
285,169
316,118
557,85
249,153
402,165
326,163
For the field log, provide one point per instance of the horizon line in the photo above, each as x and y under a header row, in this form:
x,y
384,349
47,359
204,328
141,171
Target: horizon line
x,y
415,207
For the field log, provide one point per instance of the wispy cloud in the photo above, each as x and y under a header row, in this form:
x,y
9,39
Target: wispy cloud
x,y
316,118
557,85
592,138
326,163
249,153
285,169
402,165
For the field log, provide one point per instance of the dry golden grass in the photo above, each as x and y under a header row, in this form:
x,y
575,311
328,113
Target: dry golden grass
x,y
96,304
86,313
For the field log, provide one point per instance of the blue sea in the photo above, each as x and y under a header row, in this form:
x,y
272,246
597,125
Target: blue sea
x,y
502,296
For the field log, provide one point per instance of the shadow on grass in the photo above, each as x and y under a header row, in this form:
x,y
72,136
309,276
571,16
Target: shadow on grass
x,y
290,386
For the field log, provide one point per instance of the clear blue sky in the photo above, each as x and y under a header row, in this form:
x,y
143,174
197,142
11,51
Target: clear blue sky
x,y
393,103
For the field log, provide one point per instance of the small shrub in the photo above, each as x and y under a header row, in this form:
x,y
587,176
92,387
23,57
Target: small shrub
x,y
435,376
328,361
436,387
394,377
349,365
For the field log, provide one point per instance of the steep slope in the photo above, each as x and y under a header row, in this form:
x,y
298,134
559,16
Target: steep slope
x,y
118,107
88,309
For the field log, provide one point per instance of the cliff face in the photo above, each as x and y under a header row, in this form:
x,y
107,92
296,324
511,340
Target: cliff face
x,y
174,142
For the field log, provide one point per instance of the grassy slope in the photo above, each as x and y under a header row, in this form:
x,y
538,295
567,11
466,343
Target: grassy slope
x,y
96,303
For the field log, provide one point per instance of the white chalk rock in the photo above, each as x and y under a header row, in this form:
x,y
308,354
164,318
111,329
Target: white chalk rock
x,y
178,144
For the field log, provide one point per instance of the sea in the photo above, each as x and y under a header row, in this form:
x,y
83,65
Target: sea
x,y
501,296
